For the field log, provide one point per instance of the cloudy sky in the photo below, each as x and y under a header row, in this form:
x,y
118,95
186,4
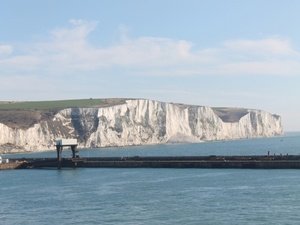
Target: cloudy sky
x,y
214,52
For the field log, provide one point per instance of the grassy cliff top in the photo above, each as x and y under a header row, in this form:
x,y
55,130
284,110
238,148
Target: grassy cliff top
x,y
230,115
59,104
25,114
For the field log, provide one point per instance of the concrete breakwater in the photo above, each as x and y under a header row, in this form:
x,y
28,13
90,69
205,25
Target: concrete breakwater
x,y
240,162
13,165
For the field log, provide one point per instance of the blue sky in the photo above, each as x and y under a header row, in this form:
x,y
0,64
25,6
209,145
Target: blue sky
x,y
215,53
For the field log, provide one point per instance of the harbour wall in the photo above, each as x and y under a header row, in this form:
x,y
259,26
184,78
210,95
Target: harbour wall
x,y
238,162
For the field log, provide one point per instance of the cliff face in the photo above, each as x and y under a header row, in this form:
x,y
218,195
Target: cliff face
x,y
142,122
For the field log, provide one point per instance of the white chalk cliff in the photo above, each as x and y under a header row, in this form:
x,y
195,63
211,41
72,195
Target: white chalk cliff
x,y
139,122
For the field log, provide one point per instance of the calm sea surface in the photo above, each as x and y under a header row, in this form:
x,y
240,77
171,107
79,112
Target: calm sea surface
x,y
156,196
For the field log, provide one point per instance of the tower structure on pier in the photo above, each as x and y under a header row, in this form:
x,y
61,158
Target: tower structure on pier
x,y
60,144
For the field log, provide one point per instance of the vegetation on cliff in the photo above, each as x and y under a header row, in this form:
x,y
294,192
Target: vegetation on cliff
x,y
27,113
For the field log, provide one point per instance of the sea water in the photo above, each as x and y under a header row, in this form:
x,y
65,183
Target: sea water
x,y
157,196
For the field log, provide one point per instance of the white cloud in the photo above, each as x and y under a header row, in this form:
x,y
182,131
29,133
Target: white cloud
x,y
276,68
78,32
6,49
268,46
68,50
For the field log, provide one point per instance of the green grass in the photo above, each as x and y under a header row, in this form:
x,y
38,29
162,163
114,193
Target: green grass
x,y
60,104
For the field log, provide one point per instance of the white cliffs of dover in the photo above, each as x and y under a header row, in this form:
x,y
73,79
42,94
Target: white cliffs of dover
x,y
141,122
